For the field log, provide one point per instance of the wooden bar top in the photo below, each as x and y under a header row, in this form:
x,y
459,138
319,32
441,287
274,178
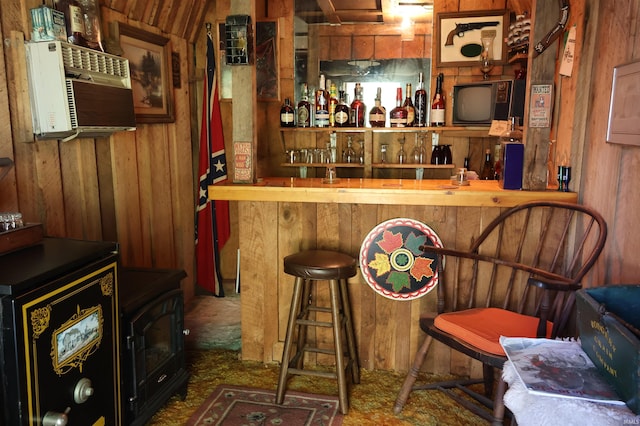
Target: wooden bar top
x,y
427,192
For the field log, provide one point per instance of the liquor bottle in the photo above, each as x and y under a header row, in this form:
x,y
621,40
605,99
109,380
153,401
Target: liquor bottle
x,y
408,105
74,18
333,103
342,110
322,104
497,164
438,104
398,115
92,24
287,114
487,167
304,108
420,103
357,108
377,115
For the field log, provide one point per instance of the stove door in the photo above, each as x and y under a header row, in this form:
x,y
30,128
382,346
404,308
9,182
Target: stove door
x,y
68,331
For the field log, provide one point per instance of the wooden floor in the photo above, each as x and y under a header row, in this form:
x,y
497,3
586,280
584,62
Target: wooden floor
x,y
214,322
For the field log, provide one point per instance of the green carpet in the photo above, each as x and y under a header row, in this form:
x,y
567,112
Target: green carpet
x,y
371,401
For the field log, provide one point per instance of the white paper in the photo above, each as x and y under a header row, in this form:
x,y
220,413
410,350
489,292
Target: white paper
x,y
566,66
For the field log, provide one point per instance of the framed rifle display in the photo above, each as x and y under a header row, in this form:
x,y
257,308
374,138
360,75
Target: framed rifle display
x,y
459,36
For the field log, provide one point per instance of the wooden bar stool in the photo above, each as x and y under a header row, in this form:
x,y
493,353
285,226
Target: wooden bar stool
x,y
309,267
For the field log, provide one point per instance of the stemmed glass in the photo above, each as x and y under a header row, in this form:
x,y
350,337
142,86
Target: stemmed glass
x,y
486,56
349,154
402,154
419,153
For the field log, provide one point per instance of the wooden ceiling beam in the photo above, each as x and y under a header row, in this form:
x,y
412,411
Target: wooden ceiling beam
x,y
329,11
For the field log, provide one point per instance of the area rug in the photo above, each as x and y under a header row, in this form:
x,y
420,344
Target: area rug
x,y
237,405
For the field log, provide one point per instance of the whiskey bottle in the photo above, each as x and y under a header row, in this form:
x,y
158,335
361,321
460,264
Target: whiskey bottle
x,y
408,105
398,115
377,115
420,103
487,167
304,108
342,110
74,18
322,104
287,114
333,103
357,108
438,104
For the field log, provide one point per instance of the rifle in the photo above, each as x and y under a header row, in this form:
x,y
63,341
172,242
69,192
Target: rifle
x,y
461,28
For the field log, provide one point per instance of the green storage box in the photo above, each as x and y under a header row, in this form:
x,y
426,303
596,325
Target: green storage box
x,y
608,323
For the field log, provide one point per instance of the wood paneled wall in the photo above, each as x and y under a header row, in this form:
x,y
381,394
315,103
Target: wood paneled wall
x,y
610,172
136,188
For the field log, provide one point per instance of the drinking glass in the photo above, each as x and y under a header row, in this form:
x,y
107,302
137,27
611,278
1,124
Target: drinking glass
x,y
447,157
419,153
383,153
349,154
402,154
436,155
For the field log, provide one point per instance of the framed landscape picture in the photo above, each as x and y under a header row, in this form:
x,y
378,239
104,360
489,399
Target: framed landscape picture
x,y
151,78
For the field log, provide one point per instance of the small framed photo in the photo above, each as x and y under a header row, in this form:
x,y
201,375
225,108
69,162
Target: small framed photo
x,y
149,58
623,126
459,36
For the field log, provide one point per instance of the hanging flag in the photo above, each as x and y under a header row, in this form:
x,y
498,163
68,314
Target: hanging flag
x,y
212,217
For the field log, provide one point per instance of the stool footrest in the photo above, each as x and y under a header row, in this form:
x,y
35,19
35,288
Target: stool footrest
x,y
319,350
325,374
319,309
314,323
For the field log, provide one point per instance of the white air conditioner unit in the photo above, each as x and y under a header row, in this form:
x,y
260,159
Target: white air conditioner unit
x,y
77,91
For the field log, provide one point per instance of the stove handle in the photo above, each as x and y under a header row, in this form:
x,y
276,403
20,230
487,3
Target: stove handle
x,y
51,418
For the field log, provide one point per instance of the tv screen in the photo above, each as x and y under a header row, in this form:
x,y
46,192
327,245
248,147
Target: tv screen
x,y
473,104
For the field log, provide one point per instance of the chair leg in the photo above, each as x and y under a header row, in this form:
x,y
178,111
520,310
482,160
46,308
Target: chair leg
x,y
339,350
498,402
488,380
412,375
351,340
286,353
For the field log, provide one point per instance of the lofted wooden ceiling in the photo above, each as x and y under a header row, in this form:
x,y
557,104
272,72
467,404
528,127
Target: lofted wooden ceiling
x,y
359,11
182,18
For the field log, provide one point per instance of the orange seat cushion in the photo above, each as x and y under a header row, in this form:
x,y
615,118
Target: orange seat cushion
x,y
482,327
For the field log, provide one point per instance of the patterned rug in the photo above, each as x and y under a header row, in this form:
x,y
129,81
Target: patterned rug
x,y
237,405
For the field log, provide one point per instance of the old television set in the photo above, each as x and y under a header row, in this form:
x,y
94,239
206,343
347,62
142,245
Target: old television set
x,y
479,103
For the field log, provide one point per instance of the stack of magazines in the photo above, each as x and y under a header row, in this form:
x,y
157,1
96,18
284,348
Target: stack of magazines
x,y
558,368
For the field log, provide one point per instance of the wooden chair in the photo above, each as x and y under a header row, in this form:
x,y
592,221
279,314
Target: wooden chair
x,y
517,279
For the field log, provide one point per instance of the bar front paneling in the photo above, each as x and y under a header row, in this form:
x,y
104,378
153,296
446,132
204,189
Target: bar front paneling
x,y
387,331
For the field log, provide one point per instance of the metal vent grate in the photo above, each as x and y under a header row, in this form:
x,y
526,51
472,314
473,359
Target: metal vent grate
x,y
83,59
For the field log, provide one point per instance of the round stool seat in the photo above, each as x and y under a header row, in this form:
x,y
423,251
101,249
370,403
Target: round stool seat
x,y
320,265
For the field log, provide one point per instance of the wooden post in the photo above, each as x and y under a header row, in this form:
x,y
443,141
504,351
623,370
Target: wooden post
x,y
244,107
546,14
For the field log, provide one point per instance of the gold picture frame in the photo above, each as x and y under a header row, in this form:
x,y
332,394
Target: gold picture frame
x,y
449,44
149,58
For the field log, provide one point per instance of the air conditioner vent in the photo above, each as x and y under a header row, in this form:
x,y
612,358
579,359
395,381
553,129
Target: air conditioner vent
x,y
99,66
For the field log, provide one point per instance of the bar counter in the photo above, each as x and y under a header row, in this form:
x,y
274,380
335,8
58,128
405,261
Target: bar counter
x,y
426,192
280,216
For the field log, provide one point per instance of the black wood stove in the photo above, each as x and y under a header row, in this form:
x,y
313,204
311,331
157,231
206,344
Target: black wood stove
x,y
153,367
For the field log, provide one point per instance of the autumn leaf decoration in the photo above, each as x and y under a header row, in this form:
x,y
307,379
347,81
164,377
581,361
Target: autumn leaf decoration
x,y
392,244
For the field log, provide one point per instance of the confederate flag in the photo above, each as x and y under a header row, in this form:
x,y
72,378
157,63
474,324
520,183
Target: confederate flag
x,y
212,217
